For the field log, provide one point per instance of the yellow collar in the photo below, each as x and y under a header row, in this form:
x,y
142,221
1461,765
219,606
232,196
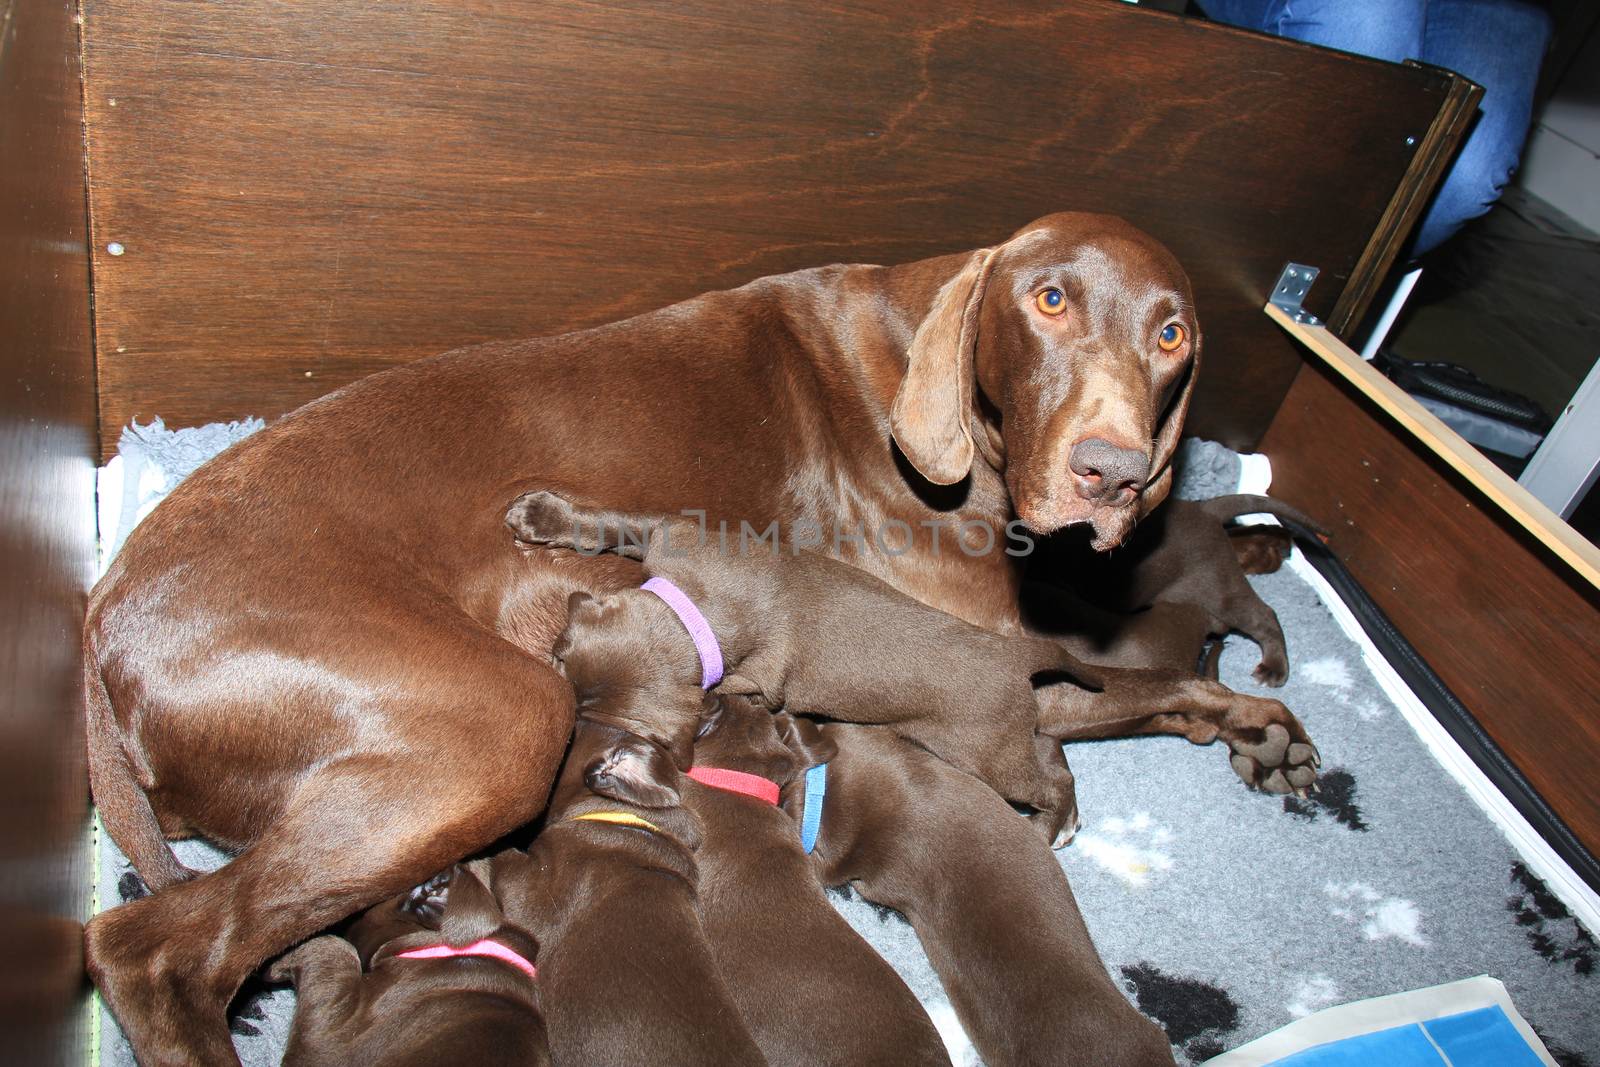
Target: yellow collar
x,y
620,818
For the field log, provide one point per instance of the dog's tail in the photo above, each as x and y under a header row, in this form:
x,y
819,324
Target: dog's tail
x,y
1224,509
124,808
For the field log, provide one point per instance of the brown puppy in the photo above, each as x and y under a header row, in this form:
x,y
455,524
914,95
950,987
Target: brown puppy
x,y
1184,555
991,907
608,887
802,631
417,1012
322,652
810,989
1167,635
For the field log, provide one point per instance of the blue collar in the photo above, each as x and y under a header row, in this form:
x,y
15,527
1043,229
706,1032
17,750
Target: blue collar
x,y
811,817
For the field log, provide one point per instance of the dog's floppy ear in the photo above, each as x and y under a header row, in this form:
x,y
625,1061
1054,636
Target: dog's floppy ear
x,y
931,418
577,602
471,913
805,739
1159,483
634,771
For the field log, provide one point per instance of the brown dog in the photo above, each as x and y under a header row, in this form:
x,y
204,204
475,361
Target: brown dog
x,y
802,631
810,989
991,907
417,1012
1185,555
322,652
608,887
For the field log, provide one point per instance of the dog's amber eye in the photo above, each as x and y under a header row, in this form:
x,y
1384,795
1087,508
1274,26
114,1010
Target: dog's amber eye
x,y
1052,301
1172,337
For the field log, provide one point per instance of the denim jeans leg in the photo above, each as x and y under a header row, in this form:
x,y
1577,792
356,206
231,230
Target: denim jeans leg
x,y
1499,44
1383,29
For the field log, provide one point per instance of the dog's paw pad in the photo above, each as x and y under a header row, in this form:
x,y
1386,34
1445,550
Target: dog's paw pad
x,y
1244,767
538,517
1303,753
1301,777
1276,762
1270,751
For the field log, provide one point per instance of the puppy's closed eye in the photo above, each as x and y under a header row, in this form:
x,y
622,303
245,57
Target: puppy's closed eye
x,y
635,772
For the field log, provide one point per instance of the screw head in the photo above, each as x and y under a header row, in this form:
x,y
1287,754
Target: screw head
x,y
115,248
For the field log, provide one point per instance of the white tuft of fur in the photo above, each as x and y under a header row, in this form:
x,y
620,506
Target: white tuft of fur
x,y
1132,849
1381,918
1312,995
1329,671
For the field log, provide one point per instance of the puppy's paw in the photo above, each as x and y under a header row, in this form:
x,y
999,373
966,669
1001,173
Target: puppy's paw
x,y
1056,825
1277,757
543,518
426,902
1271,671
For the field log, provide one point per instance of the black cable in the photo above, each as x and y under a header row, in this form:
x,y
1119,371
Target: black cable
x,y
1445,707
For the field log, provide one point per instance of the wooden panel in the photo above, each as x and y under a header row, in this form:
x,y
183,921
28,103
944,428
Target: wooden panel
x,y
46,531
1508,628
1495,485
307,191
1436,150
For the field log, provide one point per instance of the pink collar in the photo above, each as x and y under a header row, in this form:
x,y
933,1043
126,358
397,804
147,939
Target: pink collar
x,y
751,785
705,639
491,949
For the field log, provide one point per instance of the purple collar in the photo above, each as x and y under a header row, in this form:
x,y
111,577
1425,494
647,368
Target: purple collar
x,y
705,640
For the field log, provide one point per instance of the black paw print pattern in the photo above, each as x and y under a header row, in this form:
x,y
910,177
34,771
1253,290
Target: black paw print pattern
x,y
131,887
1196,1015
1550,928
1565,1057
249,1010
884,913
1334,797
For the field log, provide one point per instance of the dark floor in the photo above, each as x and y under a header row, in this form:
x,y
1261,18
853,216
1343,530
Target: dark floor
x,y
1513,298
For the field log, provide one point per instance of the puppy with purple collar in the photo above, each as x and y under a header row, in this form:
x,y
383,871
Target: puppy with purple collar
x,y
808,633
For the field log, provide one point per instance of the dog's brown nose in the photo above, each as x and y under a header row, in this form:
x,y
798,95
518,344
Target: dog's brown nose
x,y
1105,473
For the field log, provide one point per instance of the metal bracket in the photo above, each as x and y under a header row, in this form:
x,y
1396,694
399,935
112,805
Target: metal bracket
x,y
1293,285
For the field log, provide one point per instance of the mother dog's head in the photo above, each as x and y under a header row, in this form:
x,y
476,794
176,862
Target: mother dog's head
x,y
1080,337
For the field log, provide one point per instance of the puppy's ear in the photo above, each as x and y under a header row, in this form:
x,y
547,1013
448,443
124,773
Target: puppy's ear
x,y
1159,484
472,913
711,707
932,414
805,739
322,961
635,772
579,603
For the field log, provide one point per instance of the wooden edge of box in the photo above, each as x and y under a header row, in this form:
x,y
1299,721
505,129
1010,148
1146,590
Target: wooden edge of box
x,y
1433,156
1512,499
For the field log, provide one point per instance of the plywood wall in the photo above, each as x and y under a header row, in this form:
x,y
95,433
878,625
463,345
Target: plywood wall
x,y
306,191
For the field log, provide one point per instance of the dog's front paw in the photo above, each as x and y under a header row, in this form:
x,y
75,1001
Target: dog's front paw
x,y
1273,670
1277,757
541,517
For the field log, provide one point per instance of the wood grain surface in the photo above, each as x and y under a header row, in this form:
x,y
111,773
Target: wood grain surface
x,y
1509,628
47,530
306,192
